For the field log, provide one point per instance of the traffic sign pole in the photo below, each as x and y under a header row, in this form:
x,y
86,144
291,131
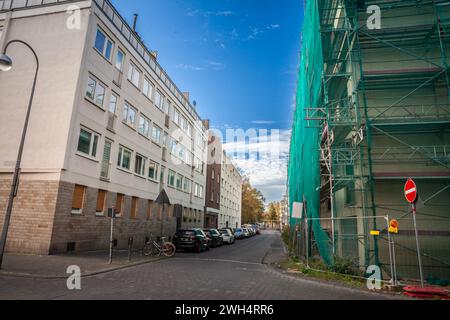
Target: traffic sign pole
x,y
411,197
419,255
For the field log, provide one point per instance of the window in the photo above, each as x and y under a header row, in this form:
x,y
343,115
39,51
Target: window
x,y
148,89
213,174
183,122
187,185
134,207
101,202
119,203
129,114
179,182
88,142
124,159
120,60
153,171
200,194
156,134
103,45
167,106
139,165
134,75
113,103
171,178
78,199
159,100
196,189
95,91
144,126
176,116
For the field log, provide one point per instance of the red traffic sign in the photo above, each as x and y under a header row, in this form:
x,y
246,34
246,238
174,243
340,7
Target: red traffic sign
x,y
410,191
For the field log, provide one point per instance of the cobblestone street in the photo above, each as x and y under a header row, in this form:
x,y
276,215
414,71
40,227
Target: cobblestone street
x,y
228,273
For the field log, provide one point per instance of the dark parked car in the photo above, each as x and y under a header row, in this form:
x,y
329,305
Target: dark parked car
x,y
215,236
191,239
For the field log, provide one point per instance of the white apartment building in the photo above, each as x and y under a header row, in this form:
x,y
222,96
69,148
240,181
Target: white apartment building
x,y
108,128
230,195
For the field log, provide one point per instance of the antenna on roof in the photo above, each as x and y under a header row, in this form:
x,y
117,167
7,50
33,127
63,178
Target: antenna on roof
x,y
194,103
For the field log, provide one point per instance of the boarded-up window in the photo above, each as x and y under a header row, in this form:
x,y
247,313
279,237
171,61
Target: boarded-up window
x,y
134,207
119,203
170,215
159,208
101,200
150,210
78,198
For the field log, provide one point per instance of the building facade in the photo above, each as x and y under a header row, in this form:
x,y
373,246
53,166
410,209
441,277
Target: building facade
x,y
376,101
108,129
213,180
230,215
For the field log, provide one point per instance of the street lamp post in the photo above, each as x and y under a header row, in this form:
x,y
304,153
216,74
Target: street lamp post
x,y
6,64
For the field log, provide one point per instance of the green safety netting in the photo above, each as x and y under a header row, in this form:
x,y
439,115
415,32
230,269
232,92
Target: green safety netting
x,y
304,163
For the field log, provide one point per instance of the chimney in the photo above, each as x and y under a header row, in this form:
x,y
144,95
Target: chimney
x,y
135,22
186,95
154,54
206,123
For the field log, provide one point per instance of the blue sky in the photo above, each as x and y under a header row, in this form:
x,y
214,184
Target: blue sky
x,y
238,60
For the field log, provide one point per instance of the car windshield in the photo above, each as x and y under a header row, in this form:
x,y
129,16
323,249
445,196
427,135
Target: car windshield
x,y
185,233
201,232
238,230
224,232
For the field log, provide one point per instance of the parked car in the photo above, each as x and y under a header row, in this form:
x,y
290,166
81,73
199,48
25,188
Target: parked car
x,y
246,233
191,239
239,233
227,236
215,236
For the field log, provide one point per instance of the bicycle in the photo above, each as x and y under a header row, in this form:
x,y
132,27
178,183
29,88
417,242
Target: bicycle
x,y
163,248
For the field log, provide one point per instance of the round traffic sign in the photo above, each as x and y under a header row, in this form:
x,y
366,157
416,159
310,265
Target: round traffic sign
x,y
410,191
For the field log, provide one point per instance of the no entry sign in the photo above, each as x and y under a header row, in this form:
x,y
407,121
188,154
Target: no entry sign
x,y
410,191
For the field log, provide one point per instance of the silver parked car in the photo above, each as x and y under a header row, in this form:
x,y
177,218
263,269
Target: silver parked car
x,y
227,236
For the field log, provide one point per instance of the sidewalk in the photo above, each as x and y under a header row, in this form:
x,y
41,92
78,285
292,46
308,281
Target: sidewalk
x,y
54,267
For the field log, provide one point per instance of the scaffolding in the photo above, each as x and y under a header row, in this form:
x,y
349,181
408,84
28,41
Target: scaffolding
x,y
373,109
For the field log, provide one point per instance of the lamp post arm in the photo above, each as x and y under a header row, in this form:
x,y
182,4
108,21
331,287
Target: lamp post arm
x,y
17,170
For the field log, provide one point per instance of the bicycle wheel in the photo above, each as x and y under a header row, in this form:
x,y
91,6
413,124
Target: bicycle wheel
x,y
168,249
147,250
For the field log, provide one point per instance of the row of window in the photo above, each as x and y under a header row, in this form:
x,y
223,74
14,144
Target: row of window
x,y
152,209
105,47
131,116
88,143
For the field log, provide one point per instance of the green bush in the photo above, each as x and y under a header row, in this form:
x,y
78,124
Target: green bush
x,y
345,266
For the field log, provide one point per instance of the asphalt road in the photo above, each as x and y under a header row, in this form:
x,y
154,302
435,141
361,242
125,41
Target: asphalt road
x,y
232,272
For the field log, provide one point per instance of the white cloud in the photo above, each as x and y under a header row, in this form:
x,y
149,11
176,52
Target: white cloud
x,y
265,162
207,65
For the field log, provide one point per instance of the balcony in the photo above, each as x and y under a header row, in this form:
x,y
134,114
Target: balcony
x,y
112,121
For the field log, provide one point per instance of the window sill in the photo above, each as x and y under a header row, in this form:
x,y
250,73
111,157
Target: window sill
x,y
140,176
78,213
124,170
101,55
157,144
153,180
128,125
134,86
94,103
100,215
85,156
143,136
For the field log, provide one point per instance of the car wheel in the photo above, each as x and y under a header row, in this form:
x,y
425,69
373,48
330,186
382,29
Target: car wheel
x,y
198,247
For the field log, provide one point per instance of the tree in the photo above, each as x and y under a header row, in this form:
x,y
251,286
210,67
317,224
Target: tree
x,y
252,203
273,212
